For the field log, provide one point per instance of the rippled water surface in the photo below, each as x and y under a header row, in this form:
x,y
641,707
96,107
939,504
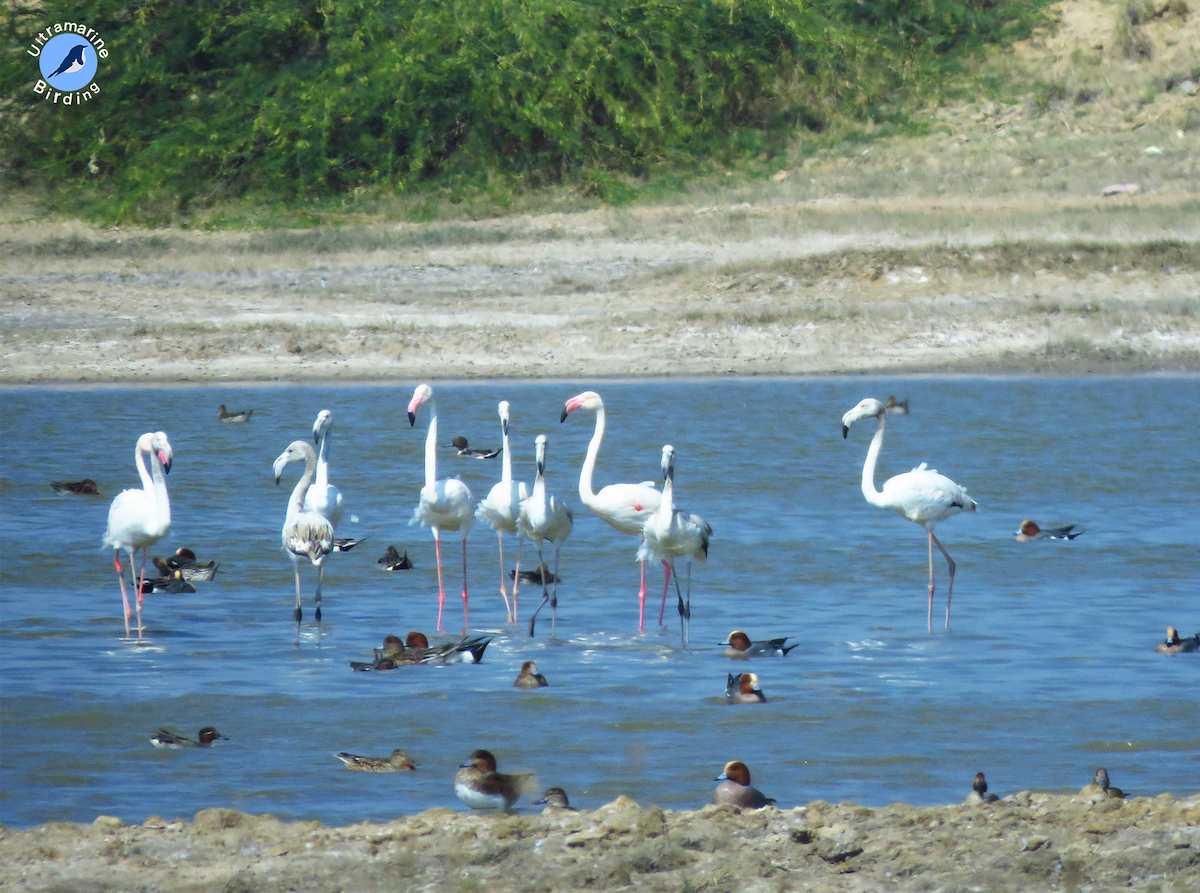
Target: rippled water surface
x,y
1048,673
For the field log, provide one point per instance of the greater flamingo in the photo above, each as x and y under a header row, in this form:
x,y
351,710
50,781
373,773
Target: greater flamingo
x,y
444,504
625,507
542,518
137,519
306,534
921,495
501,508
322,497
670,533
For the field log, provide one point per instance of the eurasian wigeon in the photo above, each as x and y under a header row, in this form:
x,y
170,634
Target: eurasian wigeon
x,y
466,650
238,417
394,561
735,788
555,800
460,443
1100,789
979,792
1029,531
744,688
86,487
480,786
397,762
741,648
529,677
1176,645
167,738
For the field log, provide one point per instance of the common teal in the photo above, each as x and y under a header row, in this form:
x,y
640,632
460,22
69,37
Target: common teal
x,y
741,648
555,800
735,788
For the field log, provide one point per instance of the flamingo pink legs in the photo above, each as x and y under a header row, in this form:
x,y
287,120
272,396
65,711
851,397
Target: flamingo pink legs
x,y
933,541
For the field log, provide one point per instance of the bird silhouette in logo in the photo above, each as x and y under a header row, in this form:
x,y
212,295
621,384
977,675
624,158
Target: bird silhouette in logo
x,y
72,62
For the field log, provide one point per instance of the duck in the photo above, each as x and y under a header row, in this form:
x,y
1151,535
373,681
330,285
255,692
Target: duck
x,y
184,560
1176,645
1100,789
735,788
167,738
480,786
896,407
236,418
460,443
394,561
397,762
741,648
1029,531
345,543
555,800
86,487
466,650
529,677
536,576
744,688
172,582
979,792
391,655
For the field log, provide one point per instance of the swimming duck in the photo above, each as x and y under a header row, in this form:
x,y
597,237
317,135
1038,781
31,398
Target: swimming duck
x,y
391,655
460,443
896,407
741,648
86,487
979,792
238,417
184,560
394,561
529,677
555,800
480,786
536,576
735,788
167,738
1100,789
1176,645
467,650
744,688
1029,531
345,543
397,762
172,583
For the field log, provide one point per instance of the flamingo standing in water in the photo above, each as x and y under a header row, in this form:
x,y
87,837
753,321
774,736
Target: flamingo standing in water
x,y
501,508
544,518
921,495
137,519
444,504
624,506
323,497
306,533
671,533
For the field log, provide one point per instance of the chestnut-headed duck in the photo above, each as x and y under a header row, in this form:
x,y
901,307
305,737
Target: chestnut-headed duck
x,y
555,800
184,561
242,415
979,792
86,487
480,786
397,762
390,656
167,738
896,407
466,650
394,561
735,788
1100,789
1029,531
1176,645
529,677
744,688
741,648
460,443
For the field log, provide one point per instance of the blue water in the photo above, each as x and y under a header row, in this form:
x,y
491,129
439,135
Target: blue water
x,y
1048,673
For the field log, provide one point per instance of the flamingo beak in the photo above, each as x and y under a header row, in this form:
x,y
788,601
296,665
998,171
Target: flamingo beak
x,y
845,431
412,418
562,418
165,460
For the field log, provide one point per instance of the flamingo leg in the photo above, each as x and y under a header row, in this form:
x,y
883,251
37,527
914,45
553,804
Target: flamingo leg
x,y
466,618
685,612
503,585
140,584
320,577
517,575
666,584
950,588
297,614
437,548
545,592
642,601
554,597
124,597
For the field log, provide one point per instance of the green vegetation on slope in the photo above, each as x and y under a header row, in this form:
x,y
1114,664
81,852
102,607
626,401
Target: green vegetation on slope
x,y
290,101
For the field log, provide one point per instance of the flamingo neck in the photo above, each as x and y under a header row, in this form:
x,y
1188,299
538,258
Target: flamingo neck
x,y
431,446
667,506
323,460
161,497
505,459
143,474
873,496
296,503
586,494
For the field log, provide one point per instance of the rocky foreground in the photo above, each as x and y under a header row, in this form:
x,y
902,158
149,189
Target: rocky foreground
x,y
1026,842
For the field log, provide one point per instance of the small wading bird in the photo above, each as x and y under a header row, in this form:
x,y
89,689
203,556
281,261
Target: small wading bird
x,y
670,533
167,738
137,519
306,534
397,762
544,518
501,508
624,507
444,504
460,444
235,418
922,495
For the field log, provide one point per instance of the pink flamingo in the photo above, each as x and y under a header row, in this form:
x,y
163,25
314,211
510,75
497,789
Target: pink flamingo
x,y
921,495
625,507
444,504
501,508
137,519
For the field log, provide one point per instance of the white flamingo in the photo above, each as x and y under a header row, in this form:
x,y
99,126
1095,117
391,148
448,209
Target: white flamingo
x,y
671,533
137,519
624,506
306,533
444,504
921,495
543,518
501,508
322,497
